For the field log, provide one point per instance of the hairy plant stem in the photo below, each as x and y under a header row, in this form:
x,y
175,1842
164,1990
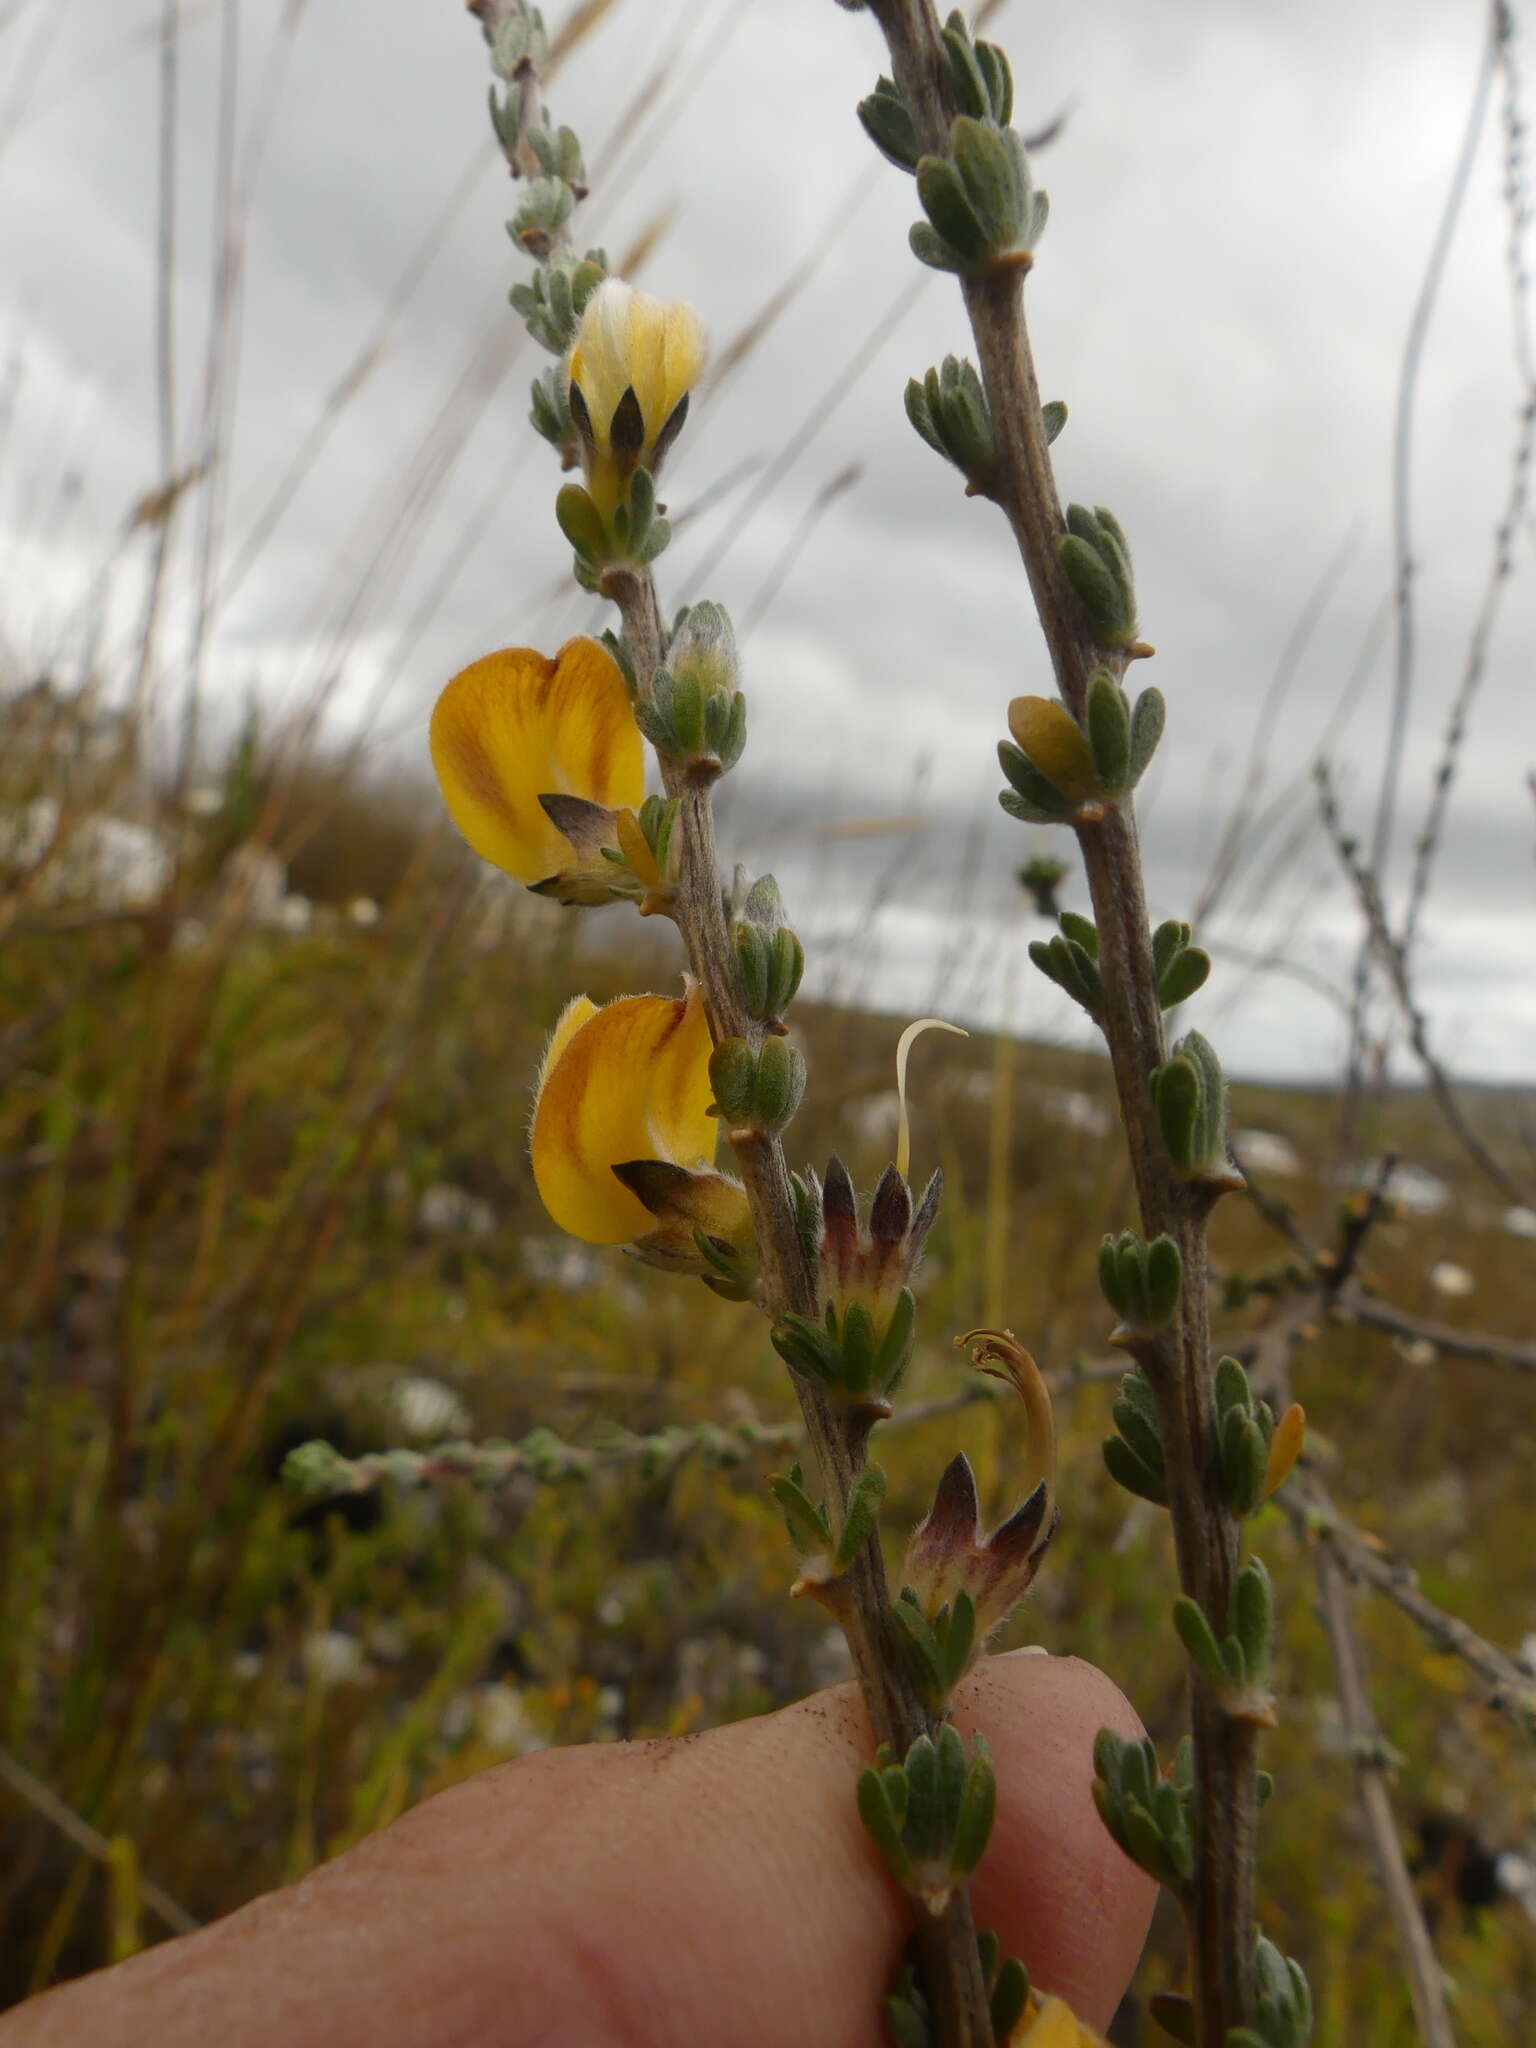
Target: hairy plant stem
x,y
952,1976
1219,1900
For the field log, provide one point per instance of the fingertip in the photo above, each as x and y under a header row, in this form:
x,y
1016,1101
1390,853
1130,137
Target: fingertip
x,y
1052,1885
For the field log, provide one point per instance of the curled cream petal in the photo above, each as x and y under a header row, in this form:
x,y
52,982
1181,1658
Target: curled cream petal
x,y
626,1082
903,1047
518,725
1000,1354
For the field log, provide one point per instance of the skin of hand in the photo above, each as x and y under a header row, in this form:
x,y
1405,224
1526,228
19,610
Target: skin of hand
x,y
715,1888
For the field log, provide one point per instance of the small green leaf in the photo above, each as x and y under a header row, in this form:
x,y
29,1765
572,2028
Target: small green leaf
x,y
1199,1641
977,1810
948,207
1253,1617
881,1824
1030,784
960,1637
1231,1386
1108,724
1164,1280
1147,722
1097,590
1010,1995
862,1516
1129,1471
1185,975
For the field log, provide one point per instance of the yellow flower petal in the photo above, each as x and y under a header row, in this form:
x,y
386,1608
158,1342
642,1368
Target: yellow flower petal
x,y
629,341
567,1024
1052,738
516,726
629,1081
1051,2023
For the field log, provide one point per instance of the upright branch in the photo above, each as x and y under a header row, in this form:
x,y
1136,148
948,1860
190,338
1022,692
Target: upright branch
x,y
621,1139
1196,1440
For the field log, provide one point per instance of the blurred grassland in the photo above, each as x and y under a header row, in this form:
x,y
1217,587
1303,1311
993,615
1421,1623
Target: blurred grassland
x,y
223,1157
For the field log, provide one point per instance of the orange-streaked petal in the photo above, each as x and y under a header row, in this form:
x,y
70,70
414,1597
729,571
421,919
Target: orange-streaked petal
x,y
1056,743
630,1081
516,726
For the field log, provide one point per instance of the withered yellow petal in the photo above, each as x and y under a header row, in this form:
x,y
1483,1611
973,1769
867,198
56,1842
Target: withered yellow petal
x,y
628,1081
1285,1447
635,848
1052,738
516,726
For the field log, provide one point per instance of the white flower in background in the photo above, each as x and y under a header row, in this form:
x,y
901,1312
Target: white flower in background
x,y
560,1262
1520,1222
495,1714
1451,1280
1079,1112
331,1657
362,910
427,1410
449,1211
1268,1152
295,914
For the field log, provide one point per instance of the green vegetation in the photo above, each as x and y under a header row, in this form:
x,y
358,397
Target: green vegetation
x,y
252,1180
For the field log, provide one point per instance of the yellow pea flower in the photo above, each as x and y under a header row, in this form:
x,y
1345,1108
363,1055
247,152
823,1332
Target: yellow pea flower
x,y
1051,2023
623,1142
534,757
631,367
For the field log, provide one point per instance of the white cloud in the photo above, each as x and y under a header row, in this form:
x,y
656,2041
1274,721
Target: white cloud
x,y
1243,203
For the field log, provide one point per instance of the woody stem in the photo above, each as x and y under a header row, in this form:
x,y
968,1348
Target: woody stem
x,y
952,1976
1220,1903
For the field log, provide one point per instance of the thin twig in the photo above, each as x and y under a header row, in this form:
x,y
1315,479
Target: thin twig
x,y
1389,951
1402,441
1357,1307
75,1828
1511,1692
219,372
1501,568
165,341
1306,1501
1402,545
1426,1980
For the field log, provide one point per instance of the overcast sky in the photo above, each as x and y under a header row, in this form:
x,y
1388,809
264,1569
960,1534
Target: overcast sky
x,y
1243,202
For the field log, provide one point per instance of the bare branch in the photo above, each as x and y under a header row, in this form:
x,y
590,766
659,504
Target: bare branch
x,y
1426,1981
